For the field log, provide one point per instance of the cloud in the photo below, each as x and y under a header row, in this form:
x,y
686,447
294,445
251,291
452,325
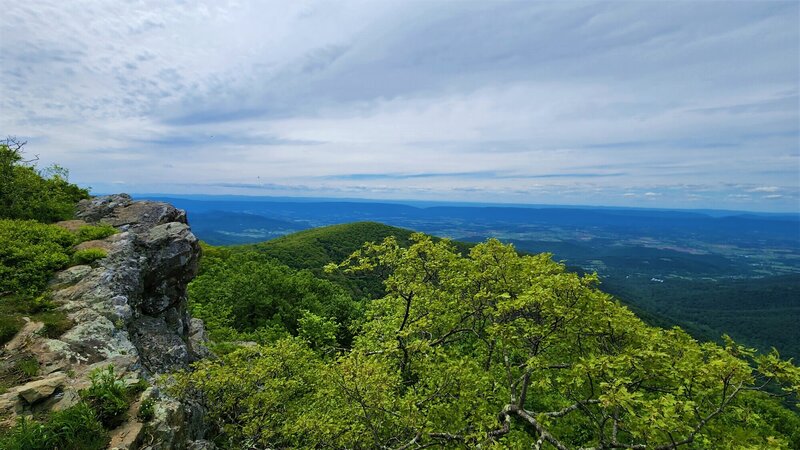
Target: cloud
x,y
523,101
764,189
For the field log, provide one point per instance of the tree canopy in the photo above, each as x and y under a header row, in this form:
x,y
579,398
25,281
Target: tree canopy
x,y
495,350
29,193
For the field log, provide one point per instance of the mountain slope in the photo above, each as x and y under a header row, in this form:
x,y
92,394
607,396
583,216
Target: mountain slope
x,y
313,249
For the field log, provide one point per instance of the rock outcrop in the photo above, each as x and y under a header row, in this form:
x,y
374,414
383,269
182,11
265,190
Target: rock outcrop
x,y
129,311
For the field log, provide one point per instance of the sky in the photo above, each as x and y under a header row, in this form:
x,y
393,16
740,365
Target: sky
x,y
646,104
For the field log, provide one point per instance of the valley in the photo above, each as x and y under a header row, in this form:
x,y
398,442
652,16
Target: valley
x,y
710,272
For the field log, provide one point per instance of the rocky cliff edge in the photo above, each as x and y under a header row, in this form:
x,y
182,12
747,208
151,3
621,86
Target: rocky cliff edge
x,y
129,311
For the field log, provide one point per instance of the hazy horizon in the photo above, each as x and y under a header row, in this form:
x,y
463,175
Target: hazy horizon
x,y
656,104
430,203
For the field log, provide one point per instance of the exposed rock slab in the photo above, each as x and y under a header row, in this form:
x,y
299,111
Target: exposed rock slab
x,y
41,389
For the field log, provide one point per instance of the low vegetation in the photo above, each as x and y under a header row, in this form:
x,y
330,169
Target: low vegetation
x,y
75,428
29,253
88,255
83,426
95,232
17,369
108,396
147,410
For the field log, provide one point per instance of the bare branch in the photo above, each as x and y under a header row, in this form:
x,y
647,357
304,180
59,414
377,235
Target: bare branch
x,y
569,409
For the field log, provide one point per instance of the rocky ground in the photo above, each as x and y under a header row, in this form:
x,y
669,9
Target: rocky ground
x,y
129,311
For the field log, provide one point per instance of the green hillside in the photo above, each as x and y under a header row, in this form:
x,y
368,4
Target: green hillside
x,y
706,310
313,249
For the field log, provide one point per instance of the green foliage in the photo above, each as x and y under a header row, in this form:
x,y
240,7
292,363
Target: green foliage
x,y
318,332
313,249
248,296
108,397
147,410
83,426
75,428
490,350
29,254
259,393
29,367
760,312
28,193
95,232
88,255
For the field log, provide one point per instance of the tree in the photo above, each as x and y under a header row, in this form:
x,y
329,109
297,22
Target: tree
x,y
27,193
508,351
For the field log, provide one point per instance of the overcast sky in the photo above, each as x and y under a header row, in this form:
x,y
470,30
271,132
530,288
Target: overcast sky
x,y
658,104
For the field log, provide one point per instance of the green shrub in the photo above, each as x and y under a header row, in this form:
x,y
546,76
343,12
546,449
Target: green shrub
x,y
75,428
147,410
247,296
94,232
29,193
108,397
88,255
29,254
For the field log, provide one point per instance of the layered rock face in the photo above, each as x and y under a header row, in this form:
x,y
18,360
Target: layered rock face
x,y
129,311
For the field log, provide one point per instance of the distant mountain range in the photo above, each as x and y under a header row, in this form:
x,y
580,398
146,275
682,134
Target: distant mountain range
x,y
717,272
254,220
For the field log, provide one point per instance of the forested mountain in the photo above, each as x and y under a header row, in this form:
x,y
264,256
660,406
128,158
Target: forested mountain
x,y
758,311
653,260
464,348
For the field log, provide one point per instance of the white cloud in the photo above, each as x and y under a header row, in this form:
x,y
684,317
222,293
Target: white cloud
x,y
634,98
764,189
